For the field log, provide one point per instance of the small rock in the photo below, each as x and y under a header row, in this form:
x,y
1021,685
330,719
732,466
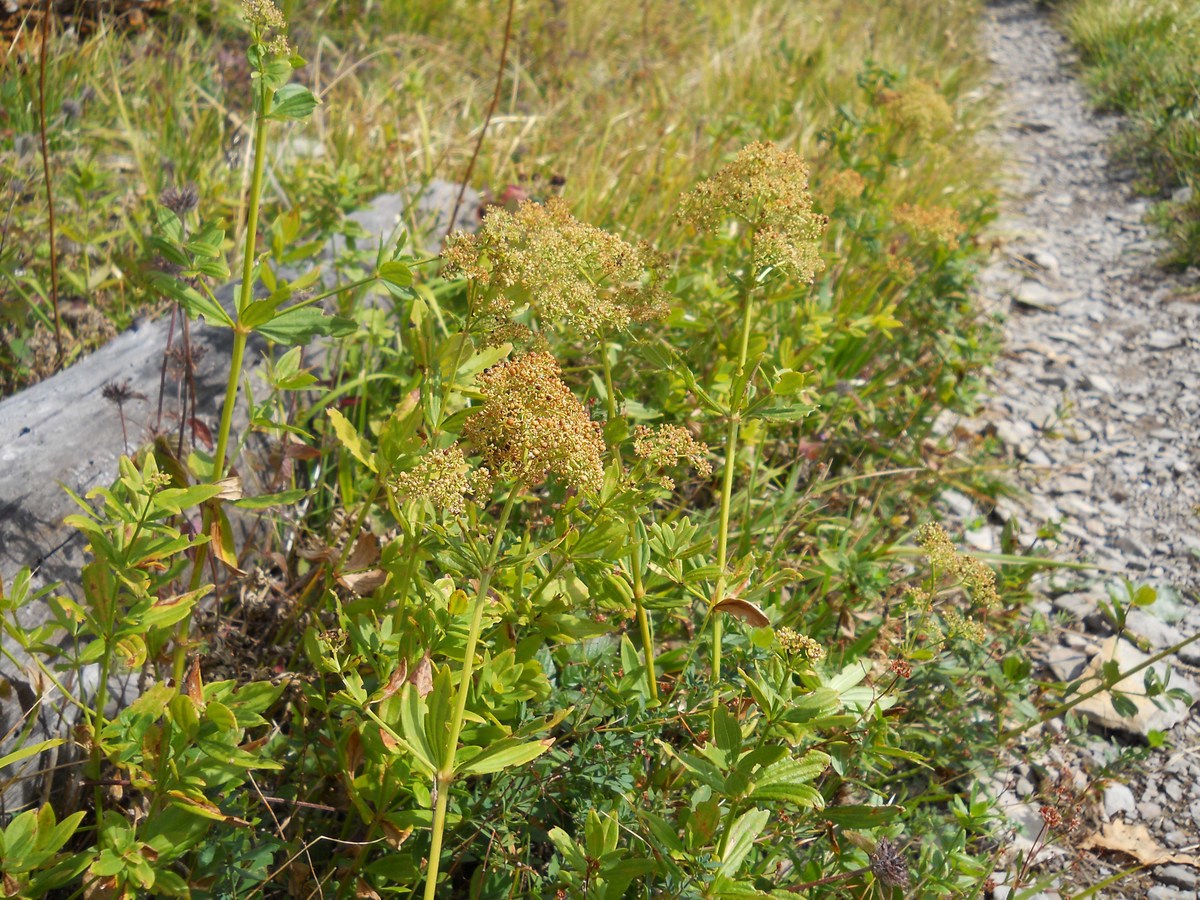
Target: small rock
x,y
1177,876
1118,799
1098,383
1163,340
1035,295
1162,892
1065,663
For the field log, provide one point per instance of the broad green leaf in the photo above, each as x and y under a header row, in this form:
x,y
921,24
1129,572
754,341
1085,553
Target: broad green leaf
x,y
396,273
193,302
299,325
505,754
727,732
740,840
349,437
569,850
176,500
859,816
265,501
293,101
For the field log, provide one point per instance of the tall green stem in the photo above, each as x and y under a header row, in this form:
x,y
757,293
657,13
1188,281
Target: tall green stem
x,y
610,398
240,334
445,777
731,438
639,594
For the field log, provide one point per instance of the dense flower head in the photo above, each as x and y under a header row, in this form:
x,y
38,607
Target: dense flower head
x,y
941,223
570,272
800,644
845,184
974,575
767,188
919,108
263,13
439,477
530,424
663,445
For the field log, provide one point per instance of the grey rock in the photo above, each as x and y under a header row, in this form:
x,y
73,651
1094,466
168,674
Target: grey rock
x,y
1177,876
1160,339
1033,294
1162,892
1119,800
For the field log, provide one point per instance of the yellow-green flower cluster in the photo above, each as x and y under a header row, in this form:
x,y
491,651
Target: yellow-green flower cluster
x,y
530,424
439,477
662,446
263,13
941,223
977,577
570,272
846,184
958,625
919,108
800,644
767,189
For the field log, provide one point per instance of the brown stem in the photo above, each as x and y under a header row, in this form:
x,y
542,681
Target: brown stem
x,y
46,11
462,188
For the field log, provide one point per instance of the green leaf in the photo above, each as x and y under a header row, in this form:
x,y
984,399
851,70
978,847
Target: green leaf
x,y
861,817
740,840
176,500
569,850
265,501
788,779
169,225
505,754
299,325
349,437
173,609
193,302
1125,707
207,243
293,101
728,732
26,752
396,273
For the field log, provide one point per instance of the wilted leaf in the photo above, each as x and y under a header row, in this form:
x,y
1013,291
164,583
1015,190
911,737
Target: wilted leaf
x,y
1135,841
745,611
422,676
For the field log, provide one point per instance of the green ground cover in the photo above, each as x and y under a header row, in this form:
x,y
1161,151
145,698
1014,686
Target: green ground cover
x,y
1140,60
595,563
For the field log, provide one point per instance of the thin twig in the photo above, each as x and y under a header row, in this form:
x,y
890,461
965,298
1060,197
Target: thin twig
x,y
46,172
462,188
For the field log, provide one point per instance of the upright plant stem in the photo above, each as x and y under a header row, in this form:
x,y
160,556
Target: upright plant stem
x,y
731,438
639,594
445,777
240,334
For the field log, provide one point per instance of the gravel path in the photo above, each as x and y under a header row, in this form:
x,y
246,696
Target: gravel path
x,y
1097,398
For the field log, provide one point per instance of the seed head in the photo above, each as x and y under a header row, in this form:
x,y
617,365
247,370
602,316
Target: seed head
x,y
888,865
530,424
439,477
180,200
767,189
663,446
570,272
